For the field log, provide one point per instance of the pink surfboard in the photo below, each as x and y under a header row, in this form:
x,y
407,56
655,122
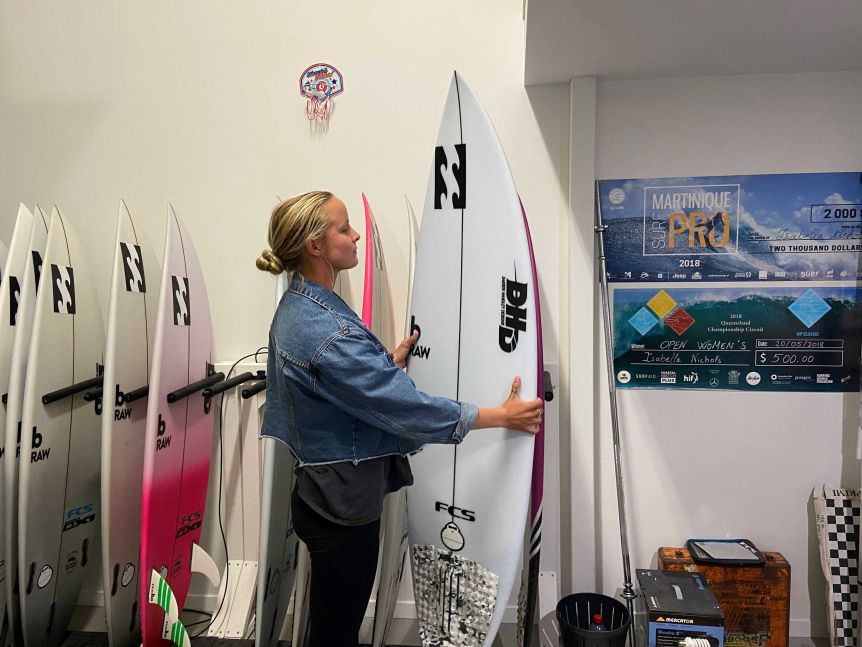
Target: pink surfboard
x,y
178,435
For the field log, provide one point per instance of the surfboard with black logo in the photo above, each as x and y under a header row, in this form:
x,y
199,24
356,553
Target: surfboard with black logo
x,y
128,350
10,295
26,287
179,435
58,505
474,304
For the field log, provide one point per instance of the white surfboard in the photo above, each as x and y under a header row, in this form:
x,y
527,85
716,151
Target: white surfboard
x,y
10,295
473,302
279,546
377,315
58,506
27,286
128,349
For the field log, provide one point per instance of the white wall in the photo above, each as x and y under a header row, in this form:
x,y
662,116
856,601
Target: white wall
x,y
198,103
722,464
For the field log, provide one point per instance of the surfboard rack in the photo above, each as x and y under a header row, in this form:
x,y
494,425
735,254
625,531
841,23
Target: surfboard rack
x,y
256,388
194,387
137,394
221,387
89,396
549,387
65,392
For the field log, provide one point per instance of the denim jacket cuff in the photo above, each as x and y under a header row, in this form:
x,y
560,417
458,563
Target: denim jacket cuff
x,y
469,413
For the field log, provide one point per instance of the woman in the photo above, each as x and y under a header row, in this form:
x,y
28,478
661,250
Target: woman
x,y
347,411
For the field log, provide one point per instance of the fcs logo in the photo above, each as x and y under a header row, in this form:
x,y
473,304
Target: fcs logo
x,y
455,512
133,268
450,177
15,297
189,523
513,314
182,312
79,516
63,284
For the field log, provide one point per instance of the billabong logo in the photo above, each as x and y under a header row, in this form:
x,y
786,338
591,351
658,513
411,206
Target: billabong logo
x,y
513,313
450,177
37,267
63,284
182,311
14,299
133,268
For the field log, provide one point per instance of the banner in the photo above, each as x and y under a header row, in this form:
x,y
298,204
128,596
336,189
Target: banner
x,y
797,227
742,282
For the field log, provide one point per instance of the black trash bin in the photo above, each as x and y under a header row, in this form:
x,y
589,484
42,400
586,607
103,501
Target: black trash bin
x,y
575,614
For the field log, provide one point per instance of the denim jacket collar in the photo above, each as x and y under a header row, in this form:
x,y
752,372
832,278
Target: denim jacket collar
x,y
316,292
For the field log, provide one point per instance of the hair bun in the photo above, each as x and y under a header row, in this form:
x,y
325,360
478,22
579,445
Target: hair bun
x,y
269,262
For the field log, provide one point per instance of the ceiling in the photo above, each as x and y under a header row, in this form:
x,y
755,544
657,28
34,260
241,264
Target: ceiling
x,y
647,39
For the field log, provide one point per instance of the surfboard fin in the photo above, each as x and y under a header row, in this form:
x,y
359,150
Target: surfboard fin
x,y
161,594
176,633
204,564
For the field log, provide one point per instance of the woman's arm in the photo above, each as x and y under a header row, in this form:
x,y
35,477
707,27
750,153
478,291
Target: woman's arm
x,y
514,413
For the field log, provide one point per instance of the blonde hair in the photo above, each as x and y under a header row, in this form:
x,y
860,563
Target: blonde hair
x,y
293,223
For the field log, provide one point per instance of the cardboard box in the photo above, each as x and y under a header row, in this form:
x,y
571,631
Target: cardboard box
x,y
677,607
755,599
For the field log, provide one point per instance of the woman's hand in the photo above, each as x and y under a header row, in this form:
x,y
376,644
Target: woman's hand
x,y
514,413
402,352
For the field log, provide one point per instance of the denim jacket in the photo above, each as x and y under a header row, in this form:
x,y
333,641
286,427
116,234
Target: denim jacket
x,y
333,392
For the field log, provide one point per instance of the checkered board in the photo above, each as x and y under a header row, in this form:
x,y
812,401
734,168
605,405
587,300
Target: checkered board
x,y
837,513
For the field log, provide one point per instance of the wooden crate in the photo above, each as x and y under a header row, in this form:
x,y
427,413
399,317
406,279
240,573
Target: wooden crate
x,y
755,600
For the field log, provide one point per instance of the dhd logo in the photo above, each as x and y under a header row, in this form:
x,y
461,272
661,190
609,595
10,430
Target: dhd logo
x,y
450,177
513,313
182,312
133,268
63,284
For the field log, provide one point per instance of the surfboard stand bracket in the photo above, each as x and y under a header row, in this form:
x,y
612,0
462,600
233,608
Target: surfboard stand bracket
x,y
256,388
137,394
73,389
194,387
549,387
238,591
221,387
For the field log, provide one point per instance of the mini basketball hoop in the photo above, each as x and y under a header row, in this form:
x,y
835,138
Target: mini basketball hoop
x,y
319,83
